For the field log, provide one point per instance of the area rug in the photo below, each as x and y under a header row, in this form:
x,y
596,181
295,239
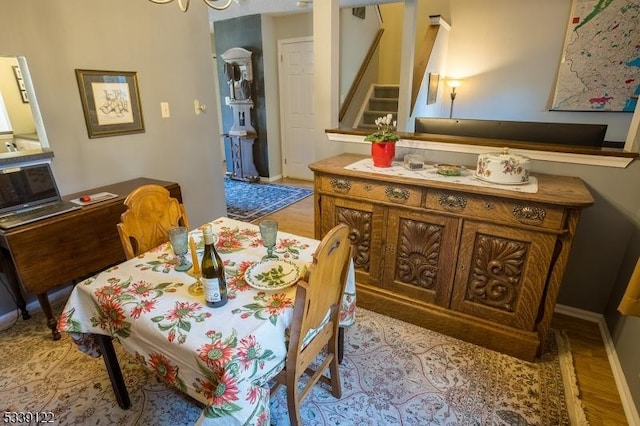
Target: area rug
x,y
251,201
393,373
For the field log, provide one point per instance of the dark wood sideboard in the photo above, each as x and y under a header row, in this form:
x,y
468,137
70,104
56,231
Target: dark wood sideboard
x,y
59,250
481,264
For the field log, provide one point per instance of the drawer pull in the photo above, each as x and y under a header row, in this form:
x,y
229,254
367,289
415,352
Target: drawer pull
x,y
367,187
529,215
453,202
340,185
397,194
489,206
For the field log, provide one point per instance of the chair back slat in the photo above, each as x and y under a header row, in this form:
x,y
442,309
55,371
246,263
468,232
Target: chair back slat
x,y
327,277
151,212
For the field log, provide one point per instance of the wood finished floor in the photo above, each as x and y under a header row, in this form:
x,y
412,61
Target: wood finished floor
x,y
595,379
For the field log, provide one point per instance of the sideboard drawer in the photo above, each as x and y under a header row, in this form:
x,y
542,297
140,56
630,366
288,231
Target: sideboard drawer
x,y
373,191
494,208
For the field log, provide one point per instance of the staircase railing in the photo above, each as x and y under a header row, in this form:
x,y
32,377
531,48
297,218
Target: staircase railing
x,y
358,78
420,66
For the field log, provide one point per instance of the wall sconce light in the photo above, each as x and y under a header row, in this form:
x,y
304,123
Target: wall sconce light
x,y
453,83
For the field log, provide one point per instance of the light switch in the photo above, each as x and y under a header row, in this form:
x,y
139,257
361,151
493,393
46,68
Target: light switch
x,y
164,107
198,107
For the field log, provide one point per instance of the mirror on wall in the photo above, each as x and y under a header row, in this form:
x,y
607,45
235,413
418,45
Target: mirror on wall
x,y
21,129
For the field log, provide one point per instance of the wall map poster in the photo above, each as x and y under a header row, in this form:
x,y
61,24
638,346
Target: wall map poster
x,y
600,68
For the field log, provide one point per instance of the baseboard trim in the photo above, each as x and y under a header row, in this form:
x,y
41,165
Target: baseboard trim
x,y
7,320
271,178
630,410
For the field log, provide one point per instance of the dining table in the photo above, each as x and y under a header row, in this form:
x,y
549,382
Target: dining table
x,y
222,357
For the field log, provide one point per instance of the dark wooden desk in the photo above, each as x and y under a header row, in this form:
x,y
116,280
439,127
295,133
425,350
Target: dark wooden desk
x,y
52,252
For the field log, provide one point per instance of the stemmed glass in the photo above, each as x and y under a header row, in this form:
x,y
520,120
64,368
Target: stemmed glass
x,y
269,232
178,236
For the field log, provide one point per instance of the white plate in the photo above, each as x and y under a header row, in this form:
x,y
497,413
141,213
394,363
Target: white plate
x,y
272,274
496,183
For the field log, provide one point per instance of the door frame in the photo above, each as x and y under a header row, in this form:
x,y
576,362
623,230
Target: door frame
x,y
281,78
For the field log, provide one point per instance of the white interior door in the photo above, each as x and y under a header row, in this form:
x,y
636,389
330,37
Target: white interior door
x,y
297,121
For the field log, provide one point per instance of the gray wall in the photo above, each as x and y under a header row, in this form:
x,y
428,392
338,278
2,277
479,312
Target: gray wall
x,y
170,51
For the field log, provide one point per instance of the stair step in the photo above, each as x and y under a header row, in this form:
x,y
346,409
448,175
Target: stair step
x,y
383,104
370,117
386,91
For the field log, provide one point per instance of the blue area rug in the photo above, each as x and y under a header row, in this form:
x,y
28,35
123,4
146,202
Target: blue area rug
x,y
251,201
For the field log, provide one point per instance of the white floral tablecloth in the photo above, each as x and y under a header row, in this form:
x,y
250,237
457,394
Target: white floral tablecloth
x,y
223,357
430,172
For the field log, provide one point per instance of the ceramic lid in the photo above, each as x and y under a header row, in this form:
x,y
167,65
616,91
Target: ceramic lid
x,y
505,155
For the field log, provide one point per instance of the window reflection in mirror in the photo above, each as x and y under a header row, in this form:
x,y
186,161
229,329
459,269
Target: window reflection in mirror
x,y
21,127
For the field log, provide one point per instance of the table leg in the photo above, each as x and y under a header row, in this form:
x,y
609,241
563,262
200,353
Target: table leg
x,y
113,368
340,344
10,272
52,323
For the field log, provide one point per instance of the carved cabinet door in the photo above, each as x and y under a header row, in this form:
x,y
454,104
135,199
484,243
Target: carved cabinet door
x,y
366,222
502,273
420,255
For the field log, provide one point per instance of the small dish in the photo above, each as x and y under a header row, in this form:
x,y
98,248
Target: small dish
x,y
413,162
449,169
272,274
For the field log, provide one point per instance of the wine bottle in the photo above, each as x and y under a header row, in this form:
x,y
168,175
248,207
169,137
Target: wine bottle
x,y
212,269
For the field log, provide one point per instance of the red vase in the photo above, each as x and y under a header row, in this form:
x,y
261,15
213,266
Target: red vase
x,y
383,153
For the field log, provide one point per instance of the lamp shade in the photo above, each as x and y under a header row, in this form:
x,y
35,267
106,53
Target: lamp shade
x,y
454,82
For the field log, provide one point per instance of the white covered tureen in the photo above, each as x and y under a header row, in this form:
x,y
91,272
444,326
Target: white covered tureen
x,y
503,168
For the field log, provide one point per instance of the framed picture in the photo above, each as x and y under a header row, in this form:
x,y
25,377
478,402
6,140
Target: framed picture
x,y
360,12
110,102
23,89
432,90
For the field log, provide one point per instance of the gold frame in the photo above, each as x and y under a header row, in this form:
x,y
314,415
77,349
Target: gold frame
x,y
432,89
110,102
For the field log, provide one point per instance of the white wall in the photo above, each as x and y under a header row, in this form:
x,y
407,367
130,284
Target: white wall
x,y
356,35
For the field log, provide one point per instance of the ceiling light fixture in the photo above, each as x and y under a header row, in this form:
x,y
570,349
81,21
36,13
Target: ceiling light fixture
x,y
184,4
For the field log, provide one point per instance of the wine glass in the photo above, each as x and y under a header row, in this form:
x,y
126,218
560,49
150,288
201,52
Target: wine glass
x,y
178,236
269,232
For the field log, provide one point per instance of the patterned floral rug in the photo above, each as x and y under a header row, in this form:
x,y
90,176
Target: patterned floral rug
x,y
393,373
250,201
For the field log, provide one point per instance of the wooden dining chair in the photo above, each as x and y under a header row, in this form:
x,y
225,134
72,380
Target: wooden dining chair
x,y
151,212
316,318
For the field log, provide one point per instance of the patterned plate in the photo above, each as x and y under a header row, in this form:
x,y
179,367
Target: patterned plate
x,y
272,274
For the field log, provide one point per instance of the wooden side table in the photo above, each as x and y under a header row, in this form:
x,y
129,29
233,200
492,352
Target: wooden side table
x,y
42,255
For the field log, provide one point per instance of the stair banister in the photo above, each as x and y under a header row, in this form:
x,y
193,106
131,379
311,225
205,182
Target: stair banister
x,y
360,74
